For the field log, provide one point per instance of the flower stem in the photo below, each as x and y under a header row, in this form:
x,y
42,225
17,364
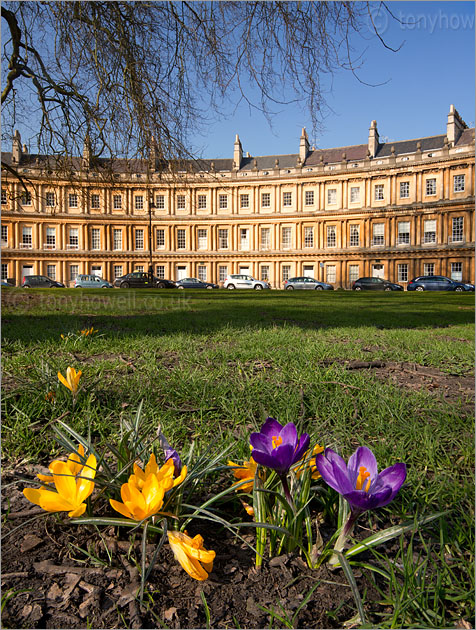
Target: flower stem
x,y
287,494
346,531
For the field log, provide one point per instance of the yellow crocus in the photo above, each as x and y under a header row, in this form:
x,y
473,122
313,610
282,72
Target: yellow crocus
x,y
164,474
247,470
315,474
191,554
71,491
74,464
88,331
72,379
139,503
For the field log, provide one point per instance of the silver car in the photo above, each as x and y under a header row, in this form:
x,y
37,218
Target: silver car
x,y
243,281
85,281
307,283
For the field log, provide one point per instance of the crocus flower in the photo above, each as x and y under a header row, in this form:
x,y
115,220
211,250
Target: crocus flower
x,y
72,379
246,471
170,453
164,474
315,474
359,481
191,554
278,447
71,491
74,464
88,331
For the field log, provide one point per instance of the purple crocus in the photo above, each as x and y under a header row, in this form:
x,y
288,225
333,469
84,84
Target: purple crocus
x,y
170,453
358,481
278,447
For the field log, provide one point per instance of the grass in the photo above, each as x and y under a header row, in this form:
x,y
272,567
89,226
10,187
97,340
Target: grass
x,y
211,366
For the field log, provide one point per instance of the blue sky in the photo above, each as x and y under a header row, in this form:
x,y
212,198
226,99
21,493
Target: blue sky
x,y
434,68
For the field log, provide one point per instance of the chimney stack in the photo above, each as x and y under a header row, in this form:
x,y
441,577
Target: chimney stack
x,y
373,139
16,148
455,126
237,154
303,146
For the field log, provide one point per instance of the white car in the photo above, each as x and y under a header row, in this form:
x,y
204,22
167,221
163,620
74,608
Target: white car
x,y
243,281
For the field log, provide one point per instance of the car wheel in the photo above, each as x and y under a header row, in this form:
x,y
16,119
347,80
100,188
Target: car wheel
x,y
419,289
358,289
289,288
230,286
387,289
318,288
209,287
124,285
258,287
161,285
180,287
459,289
26,286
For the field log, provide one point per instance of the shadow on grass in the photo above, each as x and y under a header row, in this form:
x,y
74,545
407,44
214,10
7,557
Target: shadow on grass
x,y
44,314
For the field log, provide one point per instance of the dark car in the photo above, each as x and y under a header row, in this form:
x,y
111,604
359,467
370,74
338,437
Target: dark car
x,y
141,280
375,284
42,282
195,283
307,283
438,283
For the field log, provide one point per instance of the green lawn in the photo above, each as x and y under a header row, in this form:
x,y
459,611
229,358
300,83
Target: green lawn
x,y
211,366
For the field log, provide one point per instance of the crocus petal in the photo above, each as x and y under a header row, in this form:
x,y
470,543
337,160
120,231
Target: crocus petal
x,y
191,566
362,501
271,427
53,502
302,447
327,464
62,379
261,442
153,494
265,459
283,456
288,434
77,511
363,456
65,482
121,508
393,477
181,477
33,495
85,484
45,478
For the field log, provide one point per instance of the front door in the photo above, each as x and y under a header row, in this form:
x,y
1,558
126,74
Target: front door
x,y
244,270
96,270
181,272
27,270
378,271
308,271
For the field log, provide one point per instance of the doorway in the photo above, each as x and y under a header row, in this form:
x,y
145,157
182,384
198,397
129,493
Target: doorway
x,y
308,271
245,271
181,272
378,271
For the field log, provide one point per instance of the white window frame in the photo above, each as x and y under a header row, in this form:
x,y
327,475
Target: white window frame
x,y
117,271
331,196
50,199
429,230
264,273
139,239
457,271
26,199
160,238
309,198
285,272
95,201
27,237
354,235
117,239
286,237
287,199
428,269
138,202
266,200
181,202
4,234
117,202
202,202
354,273
202,273
202,238
265,238
378,234
95,238
160,272
355,194
223,238
402,272
51,271
73,238
308,236
4,197
73,201
50,238
222,273
403,236
4,271
331,236
244,239
430,186
331,274
379,192
160,202
458,183
244,200
404,190
181,238
73,271
223,202
457,229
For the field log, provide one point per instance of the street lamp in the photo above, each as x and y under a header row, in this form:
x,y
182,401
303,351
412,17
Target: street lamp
x,y
151,269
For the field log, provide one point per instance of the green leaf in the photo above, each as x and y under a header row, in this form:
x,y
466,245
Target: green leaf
x,y
353,585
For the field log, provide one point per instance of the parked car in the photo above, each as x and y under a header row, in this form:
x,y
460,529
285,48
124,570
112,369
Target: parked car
x,y
243,281
162,283
40,282
85,281
195,283
307,283
375,284
141,280
438,283
6,284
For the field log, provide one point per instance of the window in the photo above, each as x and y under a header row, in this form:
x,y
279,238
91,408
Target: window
x,y
117,271
264,273
181,243
244,201
4,197
458,183
457,271
222,273
457,230
4,234
160,272
265,238
332,196
309,198
160,238
72,200
95,202
139,239
202,202
402,272
4,271
403,233
202,273
26,198
139,202
308,237
117,202
428,269
50,238
354,236
355,194
202,239
265,200
378,231
404,190
139,268
222,239
331,236
180,202
117,239
286,270
244,238
429,231
51,271
286,238
330,274
353,273
223,202
160,202
73,272
95,238
378,192
430,186
50,200
27,238
287,199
